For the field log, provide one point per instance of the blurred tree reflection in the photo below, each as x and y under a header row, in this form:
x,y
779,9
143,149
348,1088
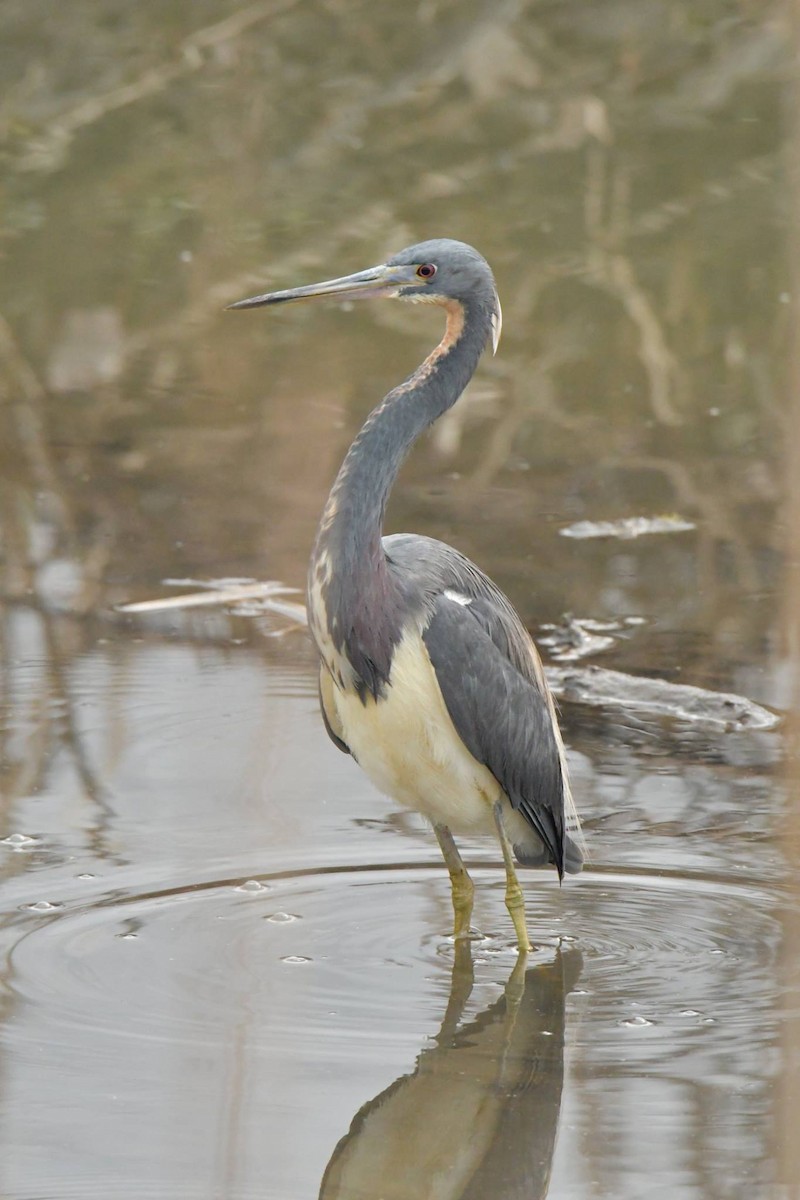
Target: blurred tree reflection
x,y
619,172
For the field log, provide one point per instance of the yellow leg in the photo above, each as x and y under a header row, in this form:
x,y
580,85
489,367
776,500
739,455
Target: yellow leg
x,y
462,885
515,902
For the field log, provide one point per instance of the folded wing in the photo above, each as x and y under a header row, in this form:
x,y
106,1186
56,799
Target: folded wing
x,y
502,716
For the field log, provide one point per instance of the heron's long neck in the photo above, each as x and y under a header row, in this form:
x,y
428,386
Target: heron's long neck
x,y
348,570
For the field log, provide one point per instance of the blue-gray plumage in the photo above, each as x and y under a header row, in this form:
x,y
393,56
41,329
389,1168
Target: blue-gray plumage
x,y
427,675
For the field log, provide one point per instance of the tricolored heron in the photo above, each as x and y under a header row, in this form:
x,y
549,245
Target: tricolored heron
x,y
427,675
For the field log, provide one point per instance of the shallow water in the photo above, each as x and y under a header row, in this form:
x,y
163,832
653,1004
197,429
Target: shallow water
x,y
226,964
214,963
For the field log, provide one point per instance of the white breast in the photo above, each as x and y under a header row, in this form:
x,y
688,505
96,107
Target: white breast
x,y
409,747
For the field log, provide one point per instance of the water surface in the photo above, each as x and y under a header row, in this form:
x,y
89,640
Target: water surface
x,y
226,962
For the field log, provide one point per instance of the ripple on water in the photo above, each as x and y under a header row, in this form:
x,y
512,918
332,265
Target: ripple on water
x,y
675,966
207,1003
664,957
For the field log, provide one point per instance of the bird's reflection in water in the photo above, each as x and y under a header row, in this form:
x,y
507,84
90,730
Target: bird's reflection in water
x,y
477,1119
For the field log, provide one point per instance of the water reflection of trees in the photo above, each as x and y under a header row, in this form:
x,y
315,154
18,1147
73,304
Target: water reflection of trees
x,y
619,173
44,566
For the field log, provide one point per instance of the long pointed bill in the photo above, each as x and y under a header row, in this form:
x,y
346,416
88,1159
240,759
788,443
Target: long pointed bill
x,y
364,285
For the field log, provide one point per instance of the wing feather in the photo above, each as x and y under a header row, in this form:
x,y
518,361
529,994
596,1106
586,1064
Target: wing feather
x,y
503,718
426,570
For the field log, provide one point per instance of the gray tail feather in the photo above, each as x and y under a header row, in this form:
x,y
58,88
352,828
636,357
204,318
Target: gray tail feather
x,y
539,855
573,856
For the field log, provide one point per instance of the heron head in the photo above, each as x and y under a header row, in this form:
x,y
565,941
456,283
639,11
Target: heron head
x,y
447,272
440,271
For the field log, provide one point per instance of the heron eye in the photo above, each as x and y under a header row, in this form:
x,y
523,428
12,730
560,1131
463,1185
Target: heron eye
x,y
426,271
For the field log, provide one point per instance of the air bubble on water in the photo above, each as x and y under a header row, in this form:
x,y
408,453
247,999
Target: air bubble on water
x,y
86,875
127,937
636,1022
295,958
689,1012
18,841
41,906
251,885
282,918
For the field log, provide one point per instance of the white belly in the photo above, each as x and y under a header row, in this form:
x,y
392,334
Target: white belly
x,y
409,748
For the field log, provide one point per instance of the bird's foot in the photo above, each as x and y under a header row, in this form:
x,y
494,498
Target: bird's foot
x,y
516,907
